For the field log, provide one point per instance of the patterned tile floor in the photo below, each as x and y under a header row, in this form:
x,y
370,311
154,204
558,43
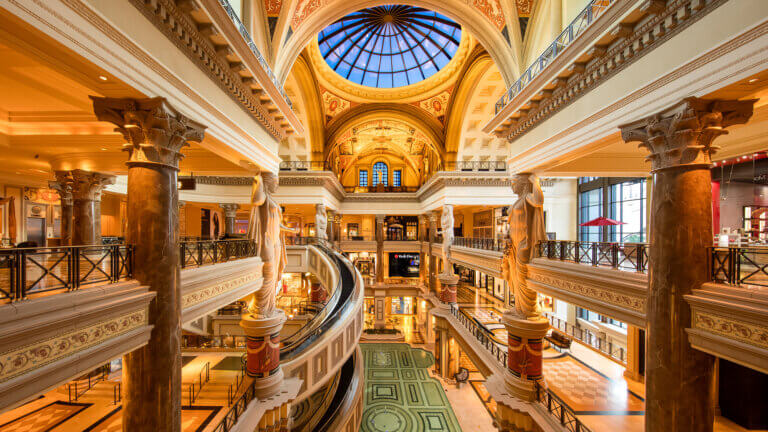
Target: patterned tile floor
x,y
44,418
400,396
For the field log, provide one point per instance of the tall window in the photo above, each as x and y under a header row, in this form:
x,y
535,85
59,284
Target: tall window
x,y
590,207
380,174
396,178
628,205
363,181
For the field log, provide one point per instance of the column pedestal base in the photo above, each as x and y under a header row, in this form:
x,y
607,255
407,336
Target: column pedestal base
x,y
448,285
524,354
263,351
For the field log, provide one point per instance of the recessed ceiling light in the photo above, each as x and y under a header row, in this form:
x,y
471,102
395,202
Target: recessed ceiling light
x,y
102,77
752,80
103,149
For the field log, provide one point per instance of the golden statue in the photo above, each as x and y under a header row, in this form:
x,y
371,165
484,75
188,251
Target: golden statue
x,y
526,230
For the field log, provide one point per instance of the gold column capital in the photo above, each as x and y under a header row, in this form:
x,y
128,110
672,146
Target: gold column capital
x,y
154,131
62,185
87,185
682,134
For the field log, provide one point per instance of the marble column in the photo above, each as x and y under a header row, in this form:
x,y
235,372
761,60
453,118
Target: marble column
x,y
63,185
379,309
230,215
432,261
423,275
679,379
525,338
263,351
86,205
379,248
154,133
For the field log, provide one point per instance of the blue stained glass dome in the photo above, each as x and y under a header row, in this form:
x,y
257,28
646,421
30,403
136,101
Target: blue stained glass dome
x,y
389,46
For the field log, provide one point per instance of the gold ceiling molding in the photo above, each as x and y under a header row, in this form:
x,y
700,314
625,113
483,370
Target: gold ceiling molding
x,y
442,80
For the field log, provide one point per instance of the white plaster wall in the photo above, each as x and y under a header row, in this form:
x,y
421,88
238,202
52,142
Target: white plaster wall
x,y
560,205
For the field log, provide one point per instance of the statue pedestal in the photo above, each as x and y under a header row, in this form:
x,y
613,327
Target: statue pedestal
x,y
448,284
263,351
524,354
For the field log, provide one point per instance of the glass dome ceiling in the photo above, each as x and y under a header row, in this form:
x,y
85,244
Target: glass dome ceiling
x,y
389,46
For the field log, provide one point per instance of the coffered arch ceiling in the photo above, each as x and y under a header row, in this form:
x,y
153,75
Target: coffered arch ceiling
x,y
484,19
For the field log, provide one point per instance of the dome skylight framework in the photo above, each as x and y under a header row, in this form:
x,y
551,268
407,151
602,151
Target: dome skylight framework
x,y
389,46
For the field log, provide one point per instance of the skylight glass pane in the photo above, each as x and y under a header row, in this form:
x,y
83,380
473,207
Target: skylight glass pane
x,y
389,46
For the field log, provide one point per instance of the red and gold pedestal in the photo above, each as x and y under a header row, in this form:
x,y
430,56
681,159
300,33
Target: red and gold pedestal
x,y
524,354
263,351
448,285
317,293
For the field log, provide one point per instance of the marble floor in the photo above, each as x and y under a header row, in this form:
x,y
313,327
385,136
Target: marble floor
x,y
97,411
400,395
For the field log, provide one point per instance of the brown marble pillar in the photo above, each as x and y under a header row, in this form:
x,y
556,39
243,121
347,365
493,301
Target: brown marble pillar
x,y
679,379
154,134
379,248
317,293
422,256
86,205
63,185
230,215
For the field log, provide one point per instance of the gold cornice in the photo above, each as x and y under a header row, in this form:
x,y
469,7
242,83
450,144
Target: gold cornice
x,y
429,87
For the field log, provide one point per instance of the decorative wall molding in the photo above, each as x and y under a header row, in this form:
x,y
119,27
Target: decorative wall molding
x,y
179,27
633,43
208,292
224,181
38,354
731,327
619,294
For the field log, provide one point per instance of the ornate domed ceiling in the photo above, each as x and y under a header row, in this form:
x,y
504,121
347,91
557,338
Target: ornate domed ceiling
x,y
389,46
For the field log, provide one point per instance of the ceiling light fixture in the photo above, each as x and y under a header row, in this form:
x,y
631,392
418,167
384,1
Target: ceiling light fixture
x,y
102,77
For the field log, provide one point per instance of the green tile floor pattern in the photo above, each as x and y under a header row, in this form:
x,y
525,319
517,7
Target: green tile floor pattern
x,y
400,396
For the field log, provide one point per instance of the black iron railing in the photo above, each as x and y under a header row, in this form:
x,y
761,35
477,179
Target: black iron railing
x,y
27,271
194,389
237,409
480,243
484,336
739,265
623,256
559,409
214,343
586,336
77,388
197,253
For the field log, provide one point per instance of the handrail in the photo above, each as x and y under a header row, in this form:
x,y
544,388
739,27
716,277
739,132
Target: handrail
x,y
589,338
255,50
739,265
490,244
202,377
484,336
92,381
559,409
583,20
295,344
347,381
622,256
41,269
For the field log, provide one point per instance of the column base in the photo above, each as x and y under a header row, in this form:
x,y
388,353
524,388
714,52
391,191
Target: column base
x,y
448,286
524,354
263,351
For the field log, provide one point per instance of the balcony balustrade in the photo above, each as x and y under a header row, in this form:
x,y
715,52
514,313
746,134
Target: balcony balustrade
x,y
490,244
33,271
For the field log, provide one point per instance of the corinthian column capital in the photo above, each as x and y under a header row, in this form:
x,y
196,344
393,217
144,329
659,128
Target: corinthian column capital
x,y
154,132
230,210
88,185
62,185
682,135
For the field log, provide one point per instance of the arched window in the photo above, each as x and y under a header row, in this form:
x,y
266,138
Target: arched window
x,y
379,174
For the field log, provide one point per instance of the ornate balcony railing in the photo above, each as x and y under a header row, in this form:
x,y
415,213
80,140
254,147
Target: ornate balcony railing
x,y
304,166
249,41
477,166
28,271
739,265
559,409
622,256
484,336
583,20
380,189
480,243
584,335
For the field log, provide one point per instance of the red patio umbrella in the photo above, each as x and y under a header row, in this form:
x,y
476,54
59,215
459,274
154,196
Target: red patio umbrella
x,y
602,221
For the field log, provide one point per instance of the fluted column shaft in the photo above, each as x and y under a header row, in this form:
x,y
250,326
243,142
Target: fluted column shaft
x,y
679,379
230,216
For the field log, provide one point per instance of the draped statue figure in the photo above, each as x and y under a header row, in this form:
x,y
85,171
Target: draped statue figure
x,y
446,222
321,222
526,230
265,229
